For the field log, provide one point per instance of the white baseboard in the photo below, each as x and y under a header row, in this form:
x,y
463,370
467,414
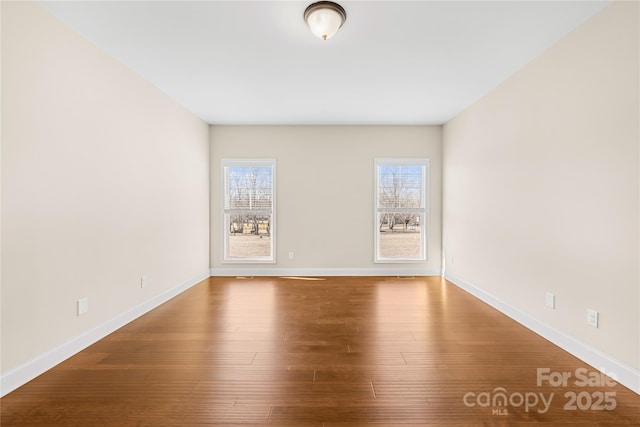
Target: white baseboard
x,y
37,366
622,373
319,272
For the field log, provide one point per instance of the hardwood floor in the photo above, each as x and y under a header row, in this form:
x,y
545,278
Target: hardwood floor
x,y
336,352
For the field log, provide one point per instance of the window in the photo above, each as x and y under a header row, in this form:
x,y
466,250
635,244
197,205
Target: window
x,y
401,210
249,210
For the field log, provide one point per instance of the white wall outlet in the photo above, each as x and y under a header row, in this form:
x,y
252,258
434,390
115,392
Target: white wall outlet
x,y
144,281
451,259
551,300
291,255
592,317
83,306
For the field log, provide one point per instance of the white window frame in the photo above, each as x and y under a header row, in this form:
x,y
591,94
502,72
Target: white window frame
x,y
423,210
226,211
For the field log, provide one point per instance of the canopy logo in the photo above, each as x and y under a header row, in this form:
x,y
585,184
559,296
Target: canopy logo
x,y
499,399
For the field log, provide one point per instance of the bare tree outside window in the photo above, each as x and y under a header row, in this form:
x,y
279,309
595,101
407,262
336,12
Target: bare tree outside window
x,y
400,210
249,203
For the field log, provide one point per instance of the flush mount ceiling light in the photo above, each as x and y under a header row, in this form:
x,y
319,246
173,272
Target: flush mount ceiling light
x,y
324,18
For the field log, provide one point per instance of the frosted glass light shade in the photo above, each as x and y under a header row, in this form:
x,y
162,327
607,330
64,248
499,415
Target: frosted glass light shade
x,y
325,18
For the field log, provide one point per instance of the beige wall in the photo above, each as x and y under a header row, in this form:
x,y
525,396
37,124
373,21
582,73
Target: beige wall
x,y
104,179
541,187
325,193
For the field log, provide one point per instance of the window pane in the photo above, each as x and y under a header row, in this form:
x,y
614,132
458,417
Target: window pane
x,y
400,235
399,186
249,187
245,242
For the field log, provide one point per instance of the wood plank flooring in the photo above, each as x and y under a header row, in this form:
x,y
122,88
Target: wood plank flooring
x,y
342,351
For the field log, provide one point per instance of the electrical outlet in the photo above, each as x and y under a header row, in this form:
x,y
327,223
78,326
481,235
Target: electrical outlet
x,y
83,306
592,317
551,300
291,255
144,281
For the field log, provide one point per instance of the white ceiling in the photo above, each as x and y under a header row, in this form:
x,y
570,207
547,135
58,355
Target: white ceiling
x,y
393,62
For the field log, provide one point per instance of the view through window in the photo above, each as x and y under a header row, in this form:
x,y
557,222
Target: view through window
x,y
401,208
249,221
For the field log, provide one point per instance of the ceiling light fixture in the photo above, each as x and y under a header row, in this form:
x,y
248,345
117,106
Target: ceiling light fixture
x,y
324,18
